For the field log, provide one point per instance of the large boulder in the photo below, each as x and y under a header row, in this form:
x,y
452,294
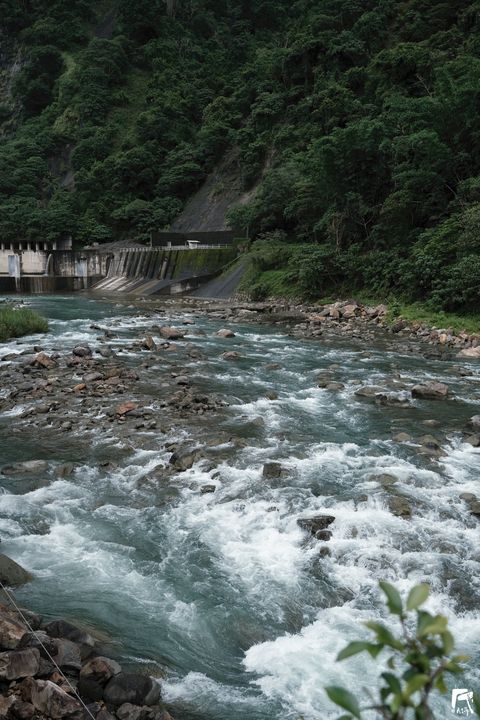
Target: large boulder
x,y
431,390
16,664
68,655
473,352
11,629
100,669
132,688
184,459
68,631
11,573
82,351
52,701
171,333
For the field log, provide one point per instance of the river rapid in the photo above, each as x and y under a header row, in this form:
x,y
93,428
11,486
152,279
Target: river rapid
x,y
223,594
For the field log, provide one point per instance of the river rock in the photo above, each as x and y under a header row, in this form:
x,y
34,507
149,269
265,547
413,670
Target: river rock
x,y
28,467
206,489
400,506
271,395
473,440
468,497
127,711
20,709
225,333
149,343
125,408
132,688
349,311
272,470
44,361
52,701
402,437
64,629
384,479
184,459
369,391
19,663
474,508
11,573
171,333
40,640
431,391
68,655
474,422
316,524
473,352
393,399
231,355
101,669
82,351
12,629
5,704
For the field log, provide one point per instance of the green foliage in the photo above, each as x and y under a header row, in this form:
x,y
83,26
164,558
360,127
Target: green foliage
x,y
419,649
16,322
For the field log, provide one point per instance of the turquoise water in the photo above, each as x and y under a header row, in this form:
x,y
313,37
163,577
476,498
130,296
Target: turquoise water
x,y
223,592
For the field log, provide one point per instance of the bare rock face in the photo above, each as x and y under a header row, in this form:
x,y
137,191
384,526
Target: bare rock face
x,y
17,664
431,391
11,573
52,701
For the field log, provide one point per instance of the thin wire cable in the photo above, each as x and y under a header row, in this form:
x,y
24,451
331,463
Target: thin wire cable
x,y
25,620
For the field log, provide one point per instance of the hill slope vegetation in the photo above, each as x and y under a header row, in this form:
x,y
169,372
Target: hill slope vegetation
x,y
356,119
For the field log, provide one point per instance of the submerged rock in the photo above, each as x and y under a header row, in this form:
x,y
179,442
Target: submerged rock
x,y
272,470
27,467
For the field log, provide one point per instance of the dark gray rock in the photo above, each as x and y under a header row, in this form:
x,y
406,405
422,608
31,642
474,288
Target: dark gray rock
x,y
184,459
52,701
316,525
82,351
132,688
68,655
272,470
11,573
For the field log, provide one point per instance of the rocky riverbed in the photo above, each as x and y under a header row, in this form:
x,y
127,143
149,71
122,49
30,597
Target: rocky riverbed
x,y
219,488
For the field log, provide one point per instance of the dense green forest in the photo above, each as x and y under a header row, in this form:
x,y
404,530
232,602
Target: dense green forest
x,y
356,121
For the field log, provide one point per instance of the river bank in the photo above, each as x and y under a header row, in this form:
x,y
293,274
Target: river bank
x,y
171,457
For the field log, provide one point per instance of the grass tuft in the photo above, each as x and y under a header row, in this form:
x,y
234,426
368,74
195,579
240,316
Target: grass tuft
x,y
16,322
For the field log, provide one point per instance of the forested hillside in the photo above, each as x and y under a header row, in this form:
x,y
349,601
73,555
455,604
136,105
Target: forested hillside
x,y
356,120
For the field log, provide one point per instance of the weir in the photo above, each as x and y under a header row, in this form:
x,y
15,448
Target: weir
x,y
167,271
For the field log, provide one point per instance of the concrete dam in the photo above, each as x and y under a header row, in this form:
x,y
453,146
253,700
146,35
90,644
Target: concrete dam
x,y
166,271
180,265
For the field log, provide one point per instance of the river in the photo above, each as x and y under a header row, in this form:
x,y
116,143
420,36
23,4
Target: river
x,y
222,592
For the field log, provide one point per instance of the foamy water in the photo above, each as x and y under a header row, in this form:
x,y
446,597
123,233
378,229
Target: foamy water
x,y
246,611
